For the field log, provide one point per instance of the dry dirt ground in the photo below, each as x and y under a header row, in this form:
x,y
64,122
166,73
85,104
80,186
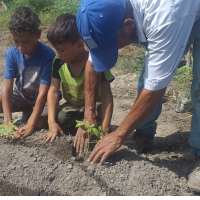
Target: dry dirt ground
x,y
30,167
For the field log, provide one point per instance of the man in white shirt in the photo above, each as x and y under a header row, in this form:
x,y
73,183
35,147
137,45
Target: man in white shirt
x,y
165,27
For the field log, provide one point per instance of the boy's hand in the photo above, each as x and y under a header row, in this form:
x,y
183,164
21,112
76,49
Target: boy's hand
x,y
54,131
79,141
24,131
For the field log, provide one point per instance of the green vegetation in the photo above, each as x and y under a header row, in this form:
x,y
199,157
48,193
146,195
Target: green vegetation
x,y
95,133
91,129
47,9
183,78
7,130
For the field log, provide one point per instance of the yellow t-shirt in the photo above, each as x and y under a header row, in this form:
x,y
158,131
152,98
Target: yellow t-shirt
x,y
72,87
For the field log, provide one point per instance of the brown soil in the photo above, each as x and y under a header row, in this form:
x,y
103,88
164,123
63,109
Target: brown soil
x,y
30,167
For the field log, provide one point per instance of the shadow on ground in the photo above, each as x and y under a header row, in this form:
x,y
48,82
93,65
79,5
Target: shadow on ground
x,y
172,152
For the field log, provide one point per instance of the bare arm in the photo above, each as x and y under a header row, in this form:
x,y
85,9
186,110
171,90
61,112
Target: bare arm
x,y
90,86
106,99
39,106
52,100
145,103
6,100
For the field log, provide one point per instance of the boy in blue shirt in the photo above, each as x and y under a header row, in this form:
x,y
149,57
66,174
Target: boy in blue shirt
x,y
27,71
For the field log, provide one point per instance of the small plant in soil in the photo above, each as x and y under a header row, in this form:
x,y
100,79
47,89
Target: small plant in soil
x,y
94,132
7,131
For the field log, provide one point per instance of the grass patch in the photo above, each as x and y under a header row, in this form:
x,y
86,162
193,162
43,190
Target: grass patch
x,y
183,78
48,10
4,18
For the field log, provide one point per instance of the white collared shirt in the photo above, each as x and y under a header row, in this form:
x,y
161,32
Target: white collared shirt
x,y
166,26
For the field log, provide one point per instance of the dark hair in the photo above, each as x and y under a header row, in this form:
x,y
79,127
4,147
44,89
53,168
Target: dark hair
x,y
63,29
24,20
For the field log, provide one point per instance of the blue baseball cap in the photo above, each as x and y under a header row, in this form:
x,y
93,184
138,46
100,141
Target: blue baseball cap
x,y
99,22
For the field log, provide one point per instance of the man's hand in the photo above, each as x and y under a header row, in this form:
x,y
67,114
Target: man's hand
x,y
24,131
80,140
54,131
105,147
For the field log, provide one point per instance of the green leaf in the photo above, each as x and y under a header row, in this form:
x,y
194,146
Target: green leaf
x,y
91,129
7,130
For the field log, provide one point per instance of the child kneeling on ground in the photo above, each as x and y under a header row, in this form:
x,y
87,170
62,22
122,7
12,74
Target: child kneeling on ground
x,y
68,72
27,71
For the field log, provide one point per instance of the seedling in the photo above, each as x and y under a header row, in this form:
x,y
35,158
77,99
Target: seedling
x,y
94,132
7,130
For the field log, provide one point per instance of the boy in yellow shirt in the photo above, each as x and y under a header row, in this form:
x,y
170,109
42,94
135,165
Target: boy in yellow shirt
x,y
68,73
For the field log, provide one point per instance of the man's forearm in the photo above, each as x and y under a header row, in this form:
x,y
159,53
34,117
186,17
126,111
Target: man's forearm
x,y
144,105
108,110
90,85
107,104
